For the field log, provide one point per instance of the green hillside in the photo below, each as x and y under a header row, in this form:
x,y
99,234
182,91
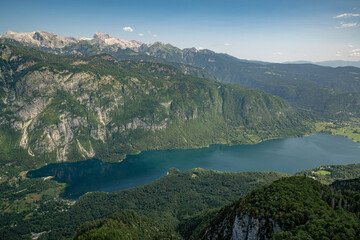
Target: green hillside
x,y
167,201
306,86
123,226
70,108
290,208
327,174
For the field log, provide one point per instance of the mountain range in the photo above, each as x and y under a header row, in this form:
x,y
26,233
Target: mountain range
x,y
330,63
306,86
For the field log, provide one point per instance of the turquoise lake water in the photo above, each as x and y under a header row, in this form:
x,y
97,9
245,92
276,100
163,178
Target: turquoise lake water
x,y
289,155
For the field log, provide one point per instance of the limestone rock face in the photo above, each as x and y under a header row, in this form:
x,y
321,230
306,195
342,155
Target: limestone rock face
x,y
247,227
233,224
62,112
40,38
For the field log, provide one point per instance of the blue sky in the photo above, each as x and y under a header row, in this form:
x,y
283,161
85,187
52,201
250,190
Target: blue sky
x,y
269,30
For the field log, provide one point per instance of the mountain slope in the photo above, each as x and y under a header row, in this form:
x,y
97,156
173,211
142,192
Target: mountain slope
x,y
124,225
290,208
306,86
75,107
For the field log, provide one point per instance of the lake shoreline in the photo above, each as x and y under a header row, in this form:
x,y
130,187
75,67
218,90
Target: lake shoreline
x,y
286,155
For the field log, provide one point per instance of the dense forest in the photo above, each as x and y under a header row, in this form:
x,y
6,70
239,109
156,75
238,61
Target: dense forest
x,y
289,208
184,203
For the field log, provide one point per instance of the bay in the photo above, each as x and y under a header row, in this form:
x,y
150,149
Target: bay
x,y
289,155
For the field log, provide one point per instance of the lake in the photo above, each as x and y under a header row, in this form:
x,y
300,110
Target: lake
x,y
289,155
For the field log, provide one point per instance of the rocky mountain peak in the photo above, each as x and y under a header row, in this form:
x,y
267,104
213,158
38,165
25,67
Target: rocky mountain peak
x,y
110,40
40,38
54,41
102,36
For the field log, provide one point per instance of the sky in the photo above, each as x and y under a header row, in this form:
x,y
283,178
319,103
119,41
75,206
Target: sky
x,y
267,30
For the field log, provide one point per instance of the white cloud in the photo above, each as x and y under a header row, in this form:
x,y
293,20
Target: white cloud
x,y
277,53
141,34
152,34
348,25
338,54
351,46
345,15
227,44
200,48
128,29
355,53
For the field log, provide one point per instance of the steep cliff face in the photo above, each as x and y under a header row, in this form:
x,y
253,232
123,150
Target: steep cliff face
x,y
77,107
250,228
232,224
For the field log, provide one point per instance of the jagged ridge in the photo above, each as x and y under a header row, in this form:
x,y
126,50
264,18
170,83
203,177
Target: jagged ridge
x,y
305,86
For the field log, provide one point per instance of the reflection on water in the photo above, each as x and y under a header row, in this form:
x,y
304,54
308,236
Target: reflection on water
x,y
282,155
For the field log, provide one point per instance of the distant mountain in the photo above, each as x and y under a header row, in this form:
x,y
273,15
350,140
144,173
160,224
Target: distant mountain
x,y
306,86
339,63
54,41
333,63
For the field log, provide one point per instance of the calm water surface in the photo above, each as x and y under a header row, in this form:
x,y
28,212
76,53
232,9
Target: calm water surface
x,y
289,155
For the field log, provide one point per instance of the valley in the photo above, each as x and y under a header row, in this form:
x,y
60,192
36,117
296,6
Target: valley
x,y
109,136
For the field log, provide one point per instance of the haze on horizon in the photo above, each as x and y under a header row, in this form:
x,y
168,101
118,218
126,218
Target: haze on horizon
x,y
267,30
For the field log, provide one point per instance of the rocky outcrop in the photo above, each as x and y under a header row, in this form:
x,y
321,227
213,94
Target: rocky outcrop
x,y
109,40
234,224
247,227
